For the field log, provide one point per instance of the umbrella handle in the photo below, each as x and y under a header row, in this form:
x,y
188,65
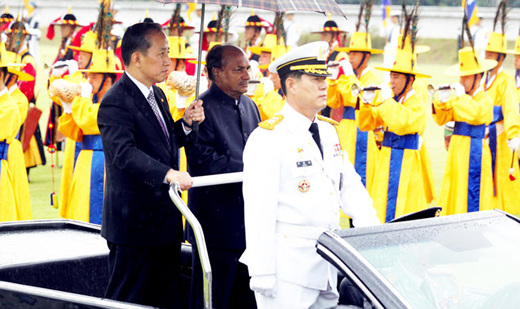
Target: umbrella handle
x,y
195,124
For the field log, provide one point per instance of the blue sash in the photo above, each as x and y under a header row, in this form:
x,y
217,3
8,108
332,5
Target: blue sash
x,y
473,131
360,159
398,143
476,133
77,149
408,141
349,113
394,176
97,173
92,142
4,147
497,116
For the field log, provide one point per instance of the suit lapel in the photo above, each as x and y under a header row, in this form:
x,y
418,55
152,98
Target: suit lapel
x,y
144,106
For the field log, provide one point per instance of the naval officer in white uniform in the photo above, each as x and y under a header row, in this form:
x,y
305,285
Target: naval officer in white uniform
x,y
296,179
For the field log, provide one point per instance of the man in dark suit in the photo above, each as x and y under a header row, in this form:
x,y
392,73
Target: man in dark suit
x,y
142,226
230,118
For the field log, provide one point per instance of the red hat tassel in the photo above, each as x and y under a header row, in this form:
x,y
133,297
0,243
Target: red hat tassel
x,y
50,29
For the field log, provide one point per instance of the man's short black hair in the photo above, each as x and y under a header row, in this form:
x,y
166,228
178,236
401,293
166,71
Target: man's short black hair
x,y
293,74
111,76
4,73
136,39
216,57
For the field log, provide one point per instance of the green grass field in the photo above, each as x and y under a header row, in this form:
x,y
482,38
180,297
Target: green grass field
x,y
41,184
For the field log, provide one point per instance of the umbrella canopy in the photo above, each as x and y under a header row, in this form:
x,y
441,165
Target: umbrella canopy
x,y
321,6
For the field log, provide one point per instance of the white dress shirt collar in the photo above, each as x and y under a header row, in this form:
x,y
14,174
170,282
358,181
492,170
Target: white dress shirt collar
x,y
142,87
298,121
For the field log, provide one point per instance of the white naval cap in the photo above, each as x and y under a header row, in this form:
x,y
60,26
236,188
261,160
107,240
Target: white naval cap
x,y
309,59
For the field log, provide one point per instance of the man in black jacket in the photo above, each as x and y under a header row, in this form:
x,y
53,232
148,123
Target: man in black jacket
x,y
230,119
142,226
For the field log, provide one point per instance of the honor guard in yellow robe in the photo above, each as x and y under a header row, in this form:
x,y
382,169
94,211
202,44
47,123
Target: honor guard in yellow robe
x,y
5,19
332,34
265,89
177,28
360,145
67,24
516,52
504,129
398,176
72,147
11,159
15,155
420,85
253,27
16,42
467,184
296,179
80,122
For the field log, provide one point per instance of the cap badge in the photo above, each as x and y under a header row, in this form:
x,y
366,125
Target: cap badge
x,y
323,52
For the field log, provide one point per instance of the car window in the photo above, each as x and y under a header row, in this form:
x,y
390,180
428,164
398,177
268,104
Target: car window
x,y
460,265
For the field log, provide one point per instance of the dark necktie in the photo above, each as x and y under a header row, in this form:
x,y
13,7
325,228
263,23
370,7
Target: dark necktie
x,y
155,108
316,136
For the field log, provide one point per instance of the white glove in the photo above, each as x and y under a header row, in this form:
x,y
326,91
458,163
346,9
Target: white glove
x,y
264,284
386,92
268,85
514,143
333,70
459,89
347,67
58,72
86,89
73,66
180,100
67,107
251,89
368,96
444,95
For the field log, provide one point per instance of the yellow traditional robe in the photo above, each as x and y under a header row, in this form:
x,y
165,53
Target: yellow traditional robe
x,y
420,86
360,146
270,104
467,184
398,175
17,163
70,152
506,124
10,120
86,191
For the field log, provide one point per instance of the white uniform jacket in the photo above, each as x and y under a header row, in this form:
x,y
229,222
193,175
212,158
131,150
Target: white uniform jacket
x,y
292,195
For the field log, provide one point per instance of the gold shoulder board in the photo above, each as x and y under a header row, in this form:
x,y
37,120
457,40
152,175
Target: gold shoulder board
x,y
331,121
270,123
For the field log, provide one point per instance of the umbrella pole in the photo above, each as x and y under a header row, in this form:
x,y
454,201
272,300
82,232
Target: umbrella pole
x,y
195,124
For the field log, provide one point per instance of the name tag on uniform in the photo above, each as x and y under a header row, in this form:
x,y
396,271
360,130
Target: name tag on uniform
x,y
304,163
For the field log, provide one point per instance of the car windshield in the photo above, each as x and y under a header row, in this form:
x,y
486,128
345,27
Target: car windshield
x,y
467,264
